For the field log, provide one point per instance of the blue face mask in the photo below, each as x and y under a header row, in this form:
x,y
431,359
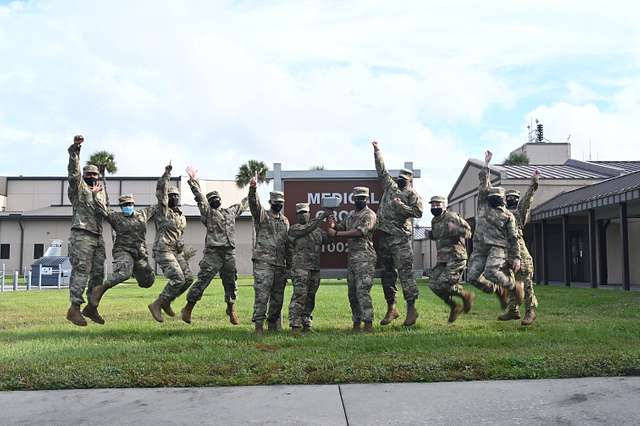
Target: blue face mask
x,y
128,210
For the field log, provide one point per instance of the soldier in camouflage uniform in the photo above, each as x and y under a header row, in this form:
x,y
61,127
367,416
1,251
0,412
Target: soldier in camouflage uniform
x,y
220,248
305,244
359,226
521,209
400,203
130,256
449,230
86,245
269,258
168,249
496,254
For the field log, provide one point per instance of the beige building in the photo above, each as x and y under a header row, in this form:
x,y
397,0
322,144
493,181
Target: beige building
x,y
34,211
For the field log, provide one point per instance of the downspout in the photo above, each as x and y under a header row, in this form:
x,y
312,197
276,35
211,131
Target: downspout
x,y
21,241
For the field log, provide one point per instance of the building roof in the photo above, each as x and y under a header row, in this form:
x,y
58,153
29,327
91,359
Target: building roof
x,y
627,166
559,171
420,233
609,192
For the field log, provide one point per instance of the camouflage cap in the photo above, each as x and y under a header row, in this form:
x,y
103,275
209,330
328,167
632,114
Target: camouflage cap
x,y
406,173
438,199
302,207
126,198
276,196
513,193
173,190
496,191
90,168
213,194
361,191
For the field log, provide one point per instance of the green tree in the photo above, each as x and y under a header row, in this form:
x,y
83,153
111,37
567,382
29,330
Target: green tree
x,y
516,159
250,169
105,161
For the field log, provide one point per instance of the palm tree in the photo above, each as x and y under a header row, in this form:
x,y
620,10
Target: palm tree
x,y
250,169
105,161
516,159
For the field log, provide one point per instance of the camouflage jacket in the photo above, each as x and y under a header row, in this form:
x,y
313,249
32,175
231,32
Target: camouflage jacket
x,y
86,204
522,214
271,233
494,226
395,219
450,244
360,248
220,222
170,223
305,245
131,231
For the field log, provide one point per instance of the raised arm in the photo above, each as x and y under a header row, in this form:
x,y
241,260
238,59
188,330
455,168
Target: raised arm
x,y
485,179
524,206
75,176
257,211
203,206
242,206
458,227
162,191
298,232
383,173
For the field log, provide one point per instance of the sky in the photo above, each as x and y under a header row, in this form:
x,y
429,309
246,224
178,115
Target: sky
x,y
215,83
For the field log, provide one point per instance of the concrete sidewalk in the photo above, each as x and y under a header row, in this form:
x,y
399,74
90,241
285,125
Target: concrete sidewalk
x,y
588,401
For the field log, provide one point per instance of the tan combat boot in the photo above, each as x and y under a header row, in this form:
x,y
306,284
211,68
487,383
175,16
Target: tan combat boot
x,y
259,329
185,313
96,294
74,315
356,327
296,331
512,313
368,327
455,312
412,314
273,326
166,307
231,312
156,310
529,317
467,301
91,312
392,313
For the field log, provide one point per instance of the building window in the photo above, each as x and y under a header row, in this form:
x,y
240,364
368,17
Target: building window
x,y
5,251
38,251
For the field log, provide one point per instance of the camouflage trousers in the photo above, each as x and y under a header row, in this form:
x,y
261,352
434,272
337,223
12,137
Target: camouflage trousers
x,y
87,254
268,285
216,260
359,281
126,264
445,279
397,262
525,275
175,267
303,299
488,269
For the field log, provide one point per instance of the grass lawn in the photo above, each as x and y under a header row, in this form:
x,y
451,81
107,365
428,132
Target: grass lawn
x,y
579,332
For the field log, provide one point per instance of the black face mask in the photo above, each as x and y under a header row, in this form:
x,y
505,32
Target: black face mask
x,y
496,202
360,204
90,181
174,202
402,183
276,207
214,203
437,211
303,218
512,203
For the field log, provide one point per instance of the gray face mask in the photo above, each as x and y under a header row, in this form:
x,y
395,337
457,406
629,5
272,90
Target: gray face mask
x,y
496,202
276,207
303,218
360,204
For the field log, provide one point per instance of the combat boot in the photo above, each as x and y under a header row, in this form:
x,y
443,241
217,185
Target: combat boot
x,y
91,312
296,331
186,312
259,328
392,313
156,310
356,327
306,328
368,327
231,312
467,301
166,307
455,311
96,294
273,326
503,296
529,317
512,313
412,314
74,315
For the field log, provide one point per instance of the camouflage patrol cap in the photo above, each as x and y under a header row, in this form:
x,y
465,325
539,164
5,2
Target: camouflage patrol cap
x,y
302,207
173,190
213,194
276,196
90,168
513,193
438,199
126,198
406,174
361,191
496,191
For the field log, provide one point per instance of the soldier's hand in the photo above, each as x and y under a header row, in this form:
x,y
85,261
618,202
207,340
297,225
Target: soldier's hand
x,y
78,139
191,172
322,215
536,173
375,146
331,221
168,168
452,227
97,187
331,232
516,265
488,155
253,182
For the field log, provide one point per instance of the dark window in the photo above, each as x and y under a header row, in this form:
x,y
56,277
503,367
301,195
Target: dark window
x,y
38,251
5,251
